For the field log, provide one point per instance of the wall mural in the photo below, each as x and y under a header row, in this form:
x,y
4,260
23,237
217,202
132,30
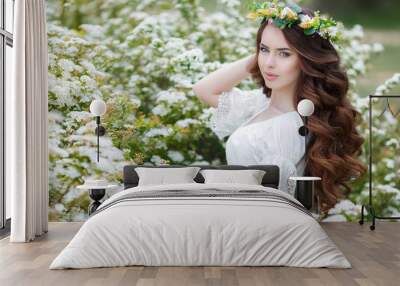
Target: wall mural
x,y
142,58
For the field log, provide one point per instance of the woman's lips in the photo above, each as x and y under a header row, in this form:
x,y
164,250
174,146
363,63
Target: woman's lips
x,y
271,76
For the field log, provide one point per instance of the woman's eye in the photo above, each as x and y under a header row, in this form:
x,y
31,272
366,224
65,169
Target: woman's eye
x,y
281,54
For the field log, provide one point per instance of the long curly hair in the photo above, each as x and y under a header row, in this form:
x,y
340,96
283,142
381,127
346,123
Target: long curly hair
x,y
334,143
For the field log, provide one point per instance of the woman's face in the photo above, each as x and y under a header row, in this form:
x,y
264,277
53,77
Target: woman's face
x,y
279,65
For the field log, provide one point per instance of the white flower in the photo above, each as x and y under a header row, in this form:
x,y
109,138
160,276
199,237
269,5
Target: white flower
x,y
232,4
56,117
66,65
89,66
390,177
176,156
388,85
304,18
95,31
156,159
59,207
182,81
71,50
73,193
186,122
393,141
386,188
288,13
88,81
69,171
389,163
160,110
333,30
135,101
359,66
170,96
80,115
193,55
161,145
55,150
345,206
158,132
63,95
357,32
377,47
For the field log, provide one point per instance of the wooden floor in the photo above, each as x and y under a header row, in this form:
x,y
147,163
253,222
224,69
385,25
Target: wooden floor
x,y
374,255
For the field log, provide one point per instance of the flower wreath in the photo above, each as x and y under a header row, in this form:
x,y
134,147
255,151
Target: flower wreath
x,y
286,15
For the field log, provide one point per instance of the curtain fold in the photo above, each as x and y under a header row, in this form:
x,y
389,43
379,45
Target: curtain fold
x,y
28,155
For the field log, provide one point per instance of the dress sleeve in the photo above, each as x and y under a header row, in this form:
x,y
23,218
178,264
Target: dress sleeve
x,y
284,147
234,108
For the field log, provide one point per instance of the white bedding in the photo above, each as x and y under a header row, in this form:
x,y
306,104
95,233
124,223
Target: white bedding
x,y
200,231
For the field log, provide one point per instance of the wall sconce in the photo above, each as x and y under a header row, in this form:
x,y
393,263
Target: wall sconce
x,y
98,108
305,191
305,108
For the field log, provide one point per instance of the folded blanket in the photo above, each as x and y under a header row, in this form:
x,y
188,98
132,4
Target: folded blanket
x,y
206,193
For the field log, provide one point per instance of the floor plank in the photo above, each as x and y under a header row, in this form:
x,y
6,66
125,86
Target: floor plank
x,y
374,255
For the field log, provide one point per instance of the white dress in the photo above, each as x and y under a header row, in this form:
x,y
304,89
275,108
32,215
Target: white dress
x,y
274,141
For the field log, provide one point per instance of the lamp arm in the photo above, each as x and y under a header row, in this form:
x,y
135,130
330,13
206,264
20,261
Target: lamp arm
x,y
306,135
303,131
98,137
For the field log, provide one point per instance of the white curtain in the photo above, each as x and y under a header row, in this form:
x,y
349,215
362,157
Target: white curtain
x,y
27,151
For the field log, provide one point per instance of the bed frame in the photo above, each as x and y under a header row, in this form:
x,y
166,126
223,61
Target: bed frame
x,y
270,179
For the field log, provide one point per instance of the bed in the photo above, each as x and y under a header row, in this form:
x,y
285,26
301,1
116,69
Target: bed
x,y
201,224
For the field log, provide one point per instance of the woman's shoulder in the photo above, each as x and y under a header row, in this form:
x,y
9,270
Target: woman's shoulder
x,y
235,107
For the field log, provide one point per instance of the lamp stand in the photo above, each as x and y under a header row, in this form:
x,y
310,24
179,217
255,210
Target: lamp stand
x,y
369,207
99,131
303,131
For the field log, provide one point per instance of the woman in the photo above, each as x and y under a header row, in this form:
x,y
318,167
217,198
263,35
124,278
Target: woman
x,y
290,64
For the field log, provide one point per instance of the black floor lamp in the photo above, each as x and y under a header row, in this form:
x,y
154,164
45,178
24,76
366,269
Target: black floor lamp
x,y
369,207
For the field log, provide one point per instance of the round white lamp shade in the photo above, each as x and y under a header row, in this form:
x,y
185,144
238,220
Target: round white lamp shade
x,y
97,107
305,107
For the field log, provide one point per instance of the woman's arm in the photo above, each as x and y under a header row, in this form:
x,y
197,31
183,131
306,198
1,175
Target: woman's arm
x,y
225,78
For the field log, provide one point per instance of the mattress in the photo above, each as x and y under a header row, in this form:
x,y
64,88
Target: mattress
x,y
201,225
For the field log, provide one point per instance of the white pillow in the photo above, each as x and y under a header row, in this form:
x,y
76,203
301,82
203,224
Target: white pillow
x,y
249,177
163,176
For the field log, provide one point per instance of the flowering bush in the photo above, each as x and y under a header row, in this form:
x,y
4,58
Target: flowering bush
x,y
142,58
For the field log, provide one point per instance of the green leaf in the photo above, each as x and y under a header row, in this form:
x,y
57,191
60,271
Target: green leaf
x,y
309,31
291,24
280,23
